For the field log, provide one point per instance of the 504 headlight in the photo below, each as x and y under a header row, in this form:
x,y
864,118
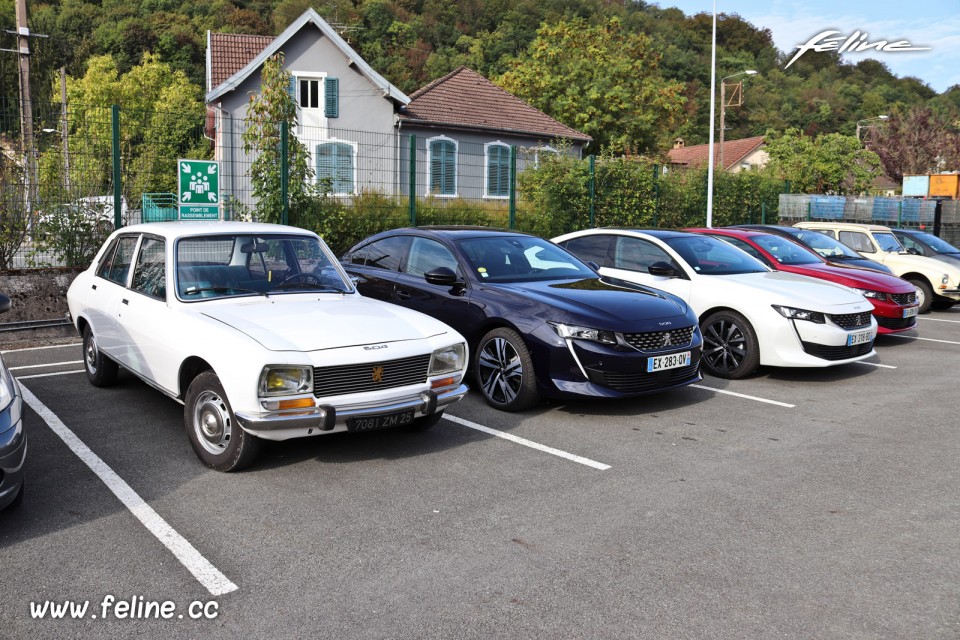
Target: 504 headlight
x,y
869,293
450,359
800,314
277,380
584,333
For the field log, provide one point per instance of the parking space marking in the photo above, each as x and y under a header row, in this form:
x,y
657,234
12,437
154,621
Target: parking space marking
x,y
877,364
741,395
529,443
50,364
52,346
47,375
897,335
940,320
207,574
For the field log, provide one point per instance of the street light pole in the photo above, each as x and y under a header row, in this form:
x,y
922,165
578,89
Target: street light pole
x,y
859,127
713,94
723,106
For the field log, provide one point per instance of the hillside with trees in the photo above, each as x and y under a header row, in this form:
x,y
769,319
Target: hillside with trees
x,y
630,73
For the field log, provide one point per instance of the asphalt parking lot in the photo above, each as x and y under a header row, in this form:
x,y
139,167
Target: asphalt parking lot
x,y
797,503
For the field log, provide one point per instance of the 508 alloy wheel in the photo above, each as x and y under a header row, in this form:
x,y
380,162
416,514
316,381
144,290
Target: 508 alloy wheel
x,y
504,371
730,347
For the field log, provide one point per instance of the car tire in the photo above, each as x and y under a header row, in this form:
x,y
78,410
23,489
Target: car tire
x,y
212,428
924,294
101,370
425,423
730,346
504,371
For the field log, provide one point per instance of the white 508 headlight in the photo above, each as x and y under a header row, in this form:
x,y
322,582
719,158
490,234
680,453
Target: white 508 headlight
x,y
448,360
282,380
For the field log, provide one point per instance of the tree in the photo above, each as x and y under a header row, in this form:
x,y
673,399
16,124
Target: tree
x,y
265,113
829,163
601,80
916,143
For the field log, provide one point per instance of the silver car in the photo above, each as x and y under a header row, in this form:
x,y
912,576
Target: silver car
x,y
13,439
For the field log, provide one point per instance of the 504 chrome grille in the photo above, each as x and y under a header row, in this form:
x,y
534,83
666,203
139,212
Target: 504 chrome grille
x,y
852,320
370,376
657,340
904,298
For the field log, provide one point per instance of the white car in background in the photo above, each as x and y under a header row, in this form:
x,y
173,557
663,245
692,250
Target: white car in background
x,y
259,332
749,315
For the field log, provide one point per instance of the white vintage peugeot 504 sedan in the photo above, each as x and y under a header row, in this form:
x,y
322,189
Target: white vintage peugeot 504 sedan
x,y
259,333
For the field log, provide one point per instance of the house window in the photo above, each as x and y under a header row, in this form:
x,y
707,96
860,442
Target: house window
x,y
498,170
542,153
335,164
309,93
443,166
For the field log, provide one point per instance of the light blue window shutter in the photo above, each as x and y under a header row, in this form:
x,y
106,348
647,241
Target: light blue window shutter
x,y
292,89
498,170
443,167
335,163
331,96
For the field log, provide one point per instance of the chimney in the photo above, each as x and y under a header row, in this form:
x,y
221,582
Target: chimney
x,y
678,143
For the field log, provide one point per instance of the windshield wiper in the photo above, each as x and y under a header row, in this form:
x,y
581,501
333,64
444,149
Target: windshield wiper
x,y
320,288
194,290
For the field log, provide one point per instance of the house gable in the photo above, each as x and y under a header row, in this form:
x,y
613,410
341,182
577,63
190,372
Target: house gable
x,y
225,53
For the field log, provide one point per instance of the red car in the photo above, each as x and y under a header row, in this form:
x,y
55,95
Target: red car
x,y
894,299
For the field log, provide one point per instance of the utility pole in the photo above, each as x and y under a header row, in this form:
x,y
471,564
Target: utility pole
x,y
26,107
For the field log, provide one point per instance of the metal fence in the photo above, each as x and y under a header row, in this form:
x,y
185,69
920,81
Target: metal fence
x,y
940,217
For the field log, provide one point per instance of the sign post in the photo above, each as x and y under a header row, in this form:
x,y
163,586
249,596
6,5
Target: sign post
x,y
198,189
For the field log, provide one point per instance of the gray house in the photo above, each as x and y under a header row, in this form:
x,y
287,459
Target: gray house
x,y
359,128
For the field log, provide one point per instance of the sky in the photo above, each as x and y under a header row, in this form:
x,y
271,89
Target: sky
x,y
922,23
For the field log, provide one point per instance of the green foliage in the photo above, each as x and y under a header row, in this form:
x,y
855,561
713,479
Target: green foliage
x,y
71,234
13,214
262,138
829,163
601,80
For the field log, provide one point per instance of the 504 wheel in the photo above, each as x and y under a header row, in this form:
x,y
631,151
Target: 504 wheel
x,y
212,428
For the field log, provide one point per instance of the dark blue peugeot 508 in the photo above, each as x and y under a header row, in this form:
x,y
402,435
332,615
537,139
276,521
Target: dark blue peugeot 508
x,y
539,322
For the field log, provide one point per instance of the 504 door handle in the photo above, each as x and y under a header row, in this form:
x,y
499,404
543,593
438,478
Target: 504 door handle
x,y
125,301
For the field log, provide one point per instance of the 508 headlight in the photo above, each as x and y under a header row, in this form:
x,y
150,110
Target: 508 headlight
x,y
448,360
800,314
278,380
869,293
584,333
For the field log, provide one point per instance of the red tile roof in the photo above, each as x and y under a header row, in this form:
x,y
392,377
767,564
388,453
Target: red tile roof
x,y
231,52
733,152
464,98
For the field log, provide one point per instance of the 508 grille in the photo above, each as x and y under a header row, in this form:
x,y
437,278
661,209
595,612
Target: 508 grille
x,y
656,340
370,376
904,298
852,320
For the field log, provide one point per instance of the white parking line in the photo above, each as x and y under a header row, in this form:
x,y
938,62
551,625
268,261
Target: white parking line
x,y
940,320
877,364
897,335
528,443
50,364
207,574
740,395
52,346
47,375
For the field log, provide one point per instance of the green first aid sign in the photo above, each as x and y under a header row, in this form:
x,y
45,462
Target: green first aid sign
x,y
198,193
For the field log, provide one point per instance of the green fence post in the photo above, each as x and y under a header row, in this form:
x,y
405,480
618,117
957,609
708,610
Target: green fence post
x,y
900,213
284,174
656,194
593,188
413,180
117,180
809,209
763,213
513,186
